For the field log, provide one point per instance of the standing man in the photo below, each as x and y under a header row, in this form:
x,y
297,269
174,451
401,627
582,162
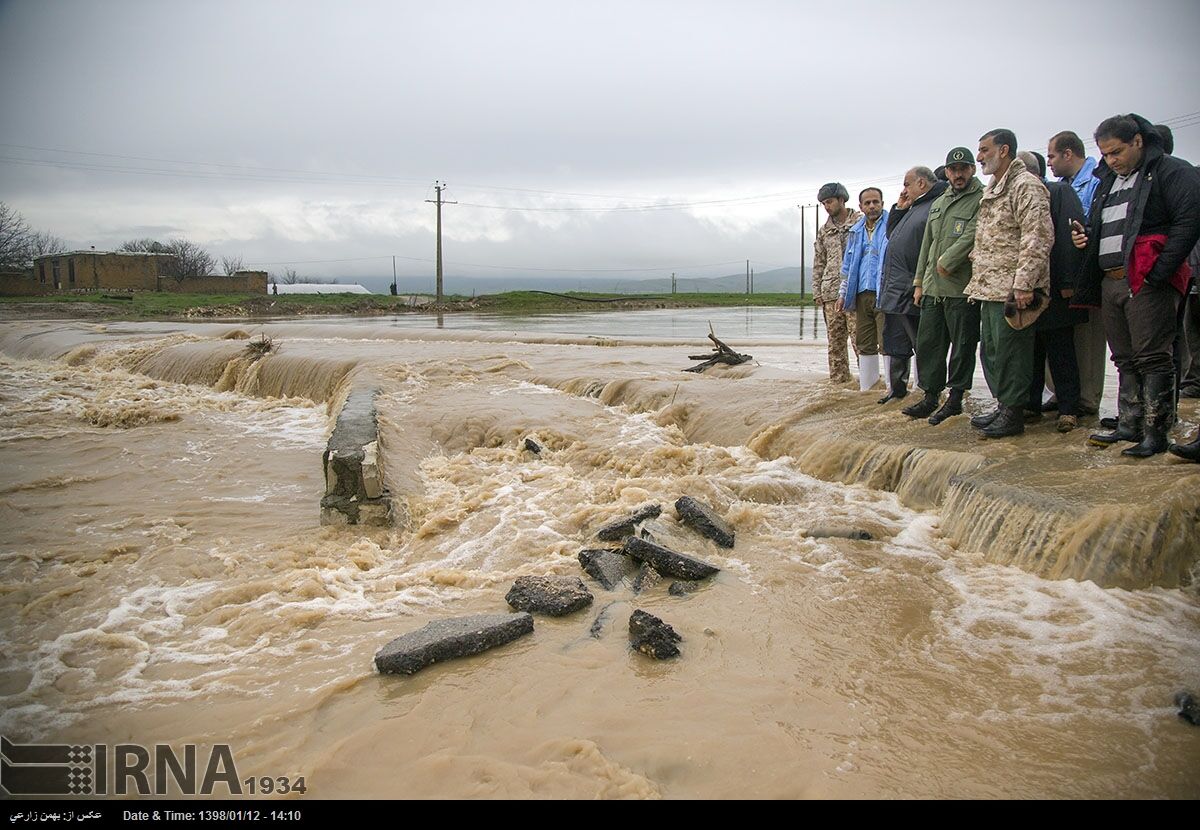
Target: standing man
x,y
1144,223
1053,333
828,250
949,324
901,315
1070,163
1011,259
860,282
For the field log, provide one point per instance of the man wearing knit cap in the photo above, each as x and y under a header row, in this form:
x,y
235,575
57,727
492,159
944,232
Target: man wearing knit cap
x,y
828,250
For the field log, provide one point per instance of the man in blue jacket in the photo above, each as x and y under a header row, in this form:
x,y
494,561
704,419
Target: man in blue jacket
x,y
860,282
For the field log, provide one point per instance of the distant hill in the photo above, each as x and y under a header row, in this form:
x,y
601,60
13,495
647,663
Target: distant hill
x,y
778,280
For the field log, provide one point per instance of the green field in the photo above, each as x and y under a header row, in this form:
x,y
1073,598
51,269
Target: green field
x,y
160,305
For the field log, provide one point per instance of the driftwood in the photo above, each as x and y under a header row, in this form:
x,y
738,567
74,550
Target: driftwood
x,y
721,354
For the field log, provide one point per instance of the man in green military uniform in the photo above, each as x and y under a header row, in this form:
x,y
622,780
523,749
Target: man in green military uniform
x,y
949,324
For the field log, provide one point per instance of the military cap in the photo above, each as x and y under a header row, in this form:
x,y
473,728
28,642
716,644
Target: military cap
x,y
960,155
833,190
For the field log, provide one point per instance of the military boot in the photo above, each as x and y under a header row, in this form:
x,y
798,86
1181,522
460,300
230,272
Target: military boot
x,y
924,407
952,407
1158,398
897,379
1129,411
1009,422
1189,451
985,419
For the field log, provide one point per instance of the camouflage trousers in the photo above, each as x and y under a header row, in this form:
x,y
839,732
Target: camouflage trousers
x,y
839,330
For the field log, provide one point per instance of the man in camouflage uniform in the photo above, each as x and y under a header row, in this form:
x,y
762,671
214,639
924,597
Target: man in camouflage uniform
x,y
1010,261
828,250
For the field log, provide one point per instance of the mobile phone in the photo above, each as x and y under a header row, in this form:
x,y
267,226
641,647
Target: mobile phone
x,y
1077,227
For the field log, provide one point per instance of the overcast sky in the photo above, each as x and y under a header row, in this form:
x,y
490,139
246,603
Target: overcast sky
x,y
300,131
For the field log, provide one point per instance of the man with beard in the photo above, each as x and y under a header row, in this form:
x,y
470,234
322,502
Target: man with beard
x,y
949,324
901,314
828,249
1144,223
860,282
1011,262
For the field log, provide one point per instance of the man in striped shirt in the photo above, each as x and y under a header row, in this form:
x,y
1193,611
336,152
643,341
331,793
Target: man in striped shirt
x,y
1144,221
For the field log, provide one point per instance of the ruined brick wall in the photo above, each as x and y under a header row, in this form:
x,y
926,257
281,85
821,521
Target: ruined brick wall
x,y
243,282
21,284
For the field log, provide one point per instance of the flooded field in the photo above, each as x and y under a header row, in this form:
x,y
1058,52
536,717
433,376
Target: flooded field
x,y
1017,627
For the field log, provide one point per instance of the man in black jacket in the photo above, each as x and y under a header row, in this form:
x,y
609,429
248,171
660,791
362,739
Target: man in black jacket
x,y
1144,223
1054,331
905,227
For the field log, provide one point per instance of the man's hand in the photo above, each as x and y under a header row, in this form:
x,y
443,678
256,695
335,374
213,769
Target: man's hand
x,y
917,292
840,306
942,272
818,302
1023,298
904,200
1067,293
1080,240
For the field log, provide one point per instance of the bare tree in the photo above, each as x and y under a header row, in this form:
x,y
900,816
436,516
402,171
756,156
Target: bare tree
x,y
231,264
190,260
290,277
14,238
44,243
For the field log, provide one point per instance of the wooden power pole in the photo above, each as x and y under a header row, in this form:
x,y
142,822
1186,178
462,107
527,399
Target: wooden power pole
x,y
439,187
803,250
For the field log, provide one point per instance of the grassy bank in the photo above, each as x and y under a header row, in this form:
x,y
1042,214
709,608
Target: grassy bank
x,y
155,305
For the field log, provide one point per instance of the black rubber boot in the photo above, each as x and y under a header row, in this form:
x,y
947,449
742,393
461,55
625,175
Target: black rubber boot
x,y
1158,398
1129,412
952,407
898,377
1009,422
1190,451
1108,423
924,407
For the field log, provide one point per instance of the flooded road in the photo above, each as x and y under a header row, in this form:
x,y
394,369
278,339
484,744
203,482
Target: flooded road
x,y
164,576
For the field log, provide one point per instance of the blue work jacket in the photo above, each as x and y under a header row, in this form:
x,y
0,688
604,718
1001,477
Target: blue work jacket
x,y
863,260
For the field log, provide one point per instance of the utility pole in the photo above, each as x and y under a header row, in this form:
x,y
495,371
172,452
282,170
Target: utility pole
x,y
393,275
673,288
439,187
751,280
803,249
747,276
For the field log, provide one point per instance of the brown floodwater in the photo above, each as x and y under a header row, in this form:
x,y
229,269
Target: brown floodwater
x,y
1017,627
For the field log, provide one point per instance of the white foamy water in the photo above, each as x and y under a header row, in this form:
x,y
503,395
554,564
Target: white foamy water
x,y
164,576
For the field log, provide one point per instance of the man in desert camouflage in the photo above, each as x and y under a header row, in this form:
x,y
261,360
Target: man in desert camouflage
x,y
828,250
1010,262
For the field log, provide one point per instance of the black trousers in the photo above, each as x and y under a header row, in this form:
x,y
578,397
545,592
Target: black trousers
x,y
1056,347
1191,350
900,334
1141,329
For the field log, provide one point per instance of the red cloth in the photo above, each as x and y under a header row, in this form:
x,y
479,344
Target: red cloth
x,y
1145,253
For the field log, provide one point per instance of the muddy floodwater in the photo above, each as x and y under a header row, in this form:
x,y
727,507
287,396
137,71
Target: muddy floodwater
x,y
1017,626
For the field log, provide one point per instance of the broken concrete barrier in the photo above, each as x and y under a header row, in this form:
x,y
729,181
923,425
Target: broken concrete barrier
x,y
653,637
447,639
822,532
645,579
704,520
354,486
682,589
608,567
618,529
668,562
552,595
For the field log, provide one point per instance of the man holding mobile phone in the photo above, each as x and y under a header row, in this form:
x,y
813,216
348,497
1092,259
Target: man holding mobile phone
x,y
1144,223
